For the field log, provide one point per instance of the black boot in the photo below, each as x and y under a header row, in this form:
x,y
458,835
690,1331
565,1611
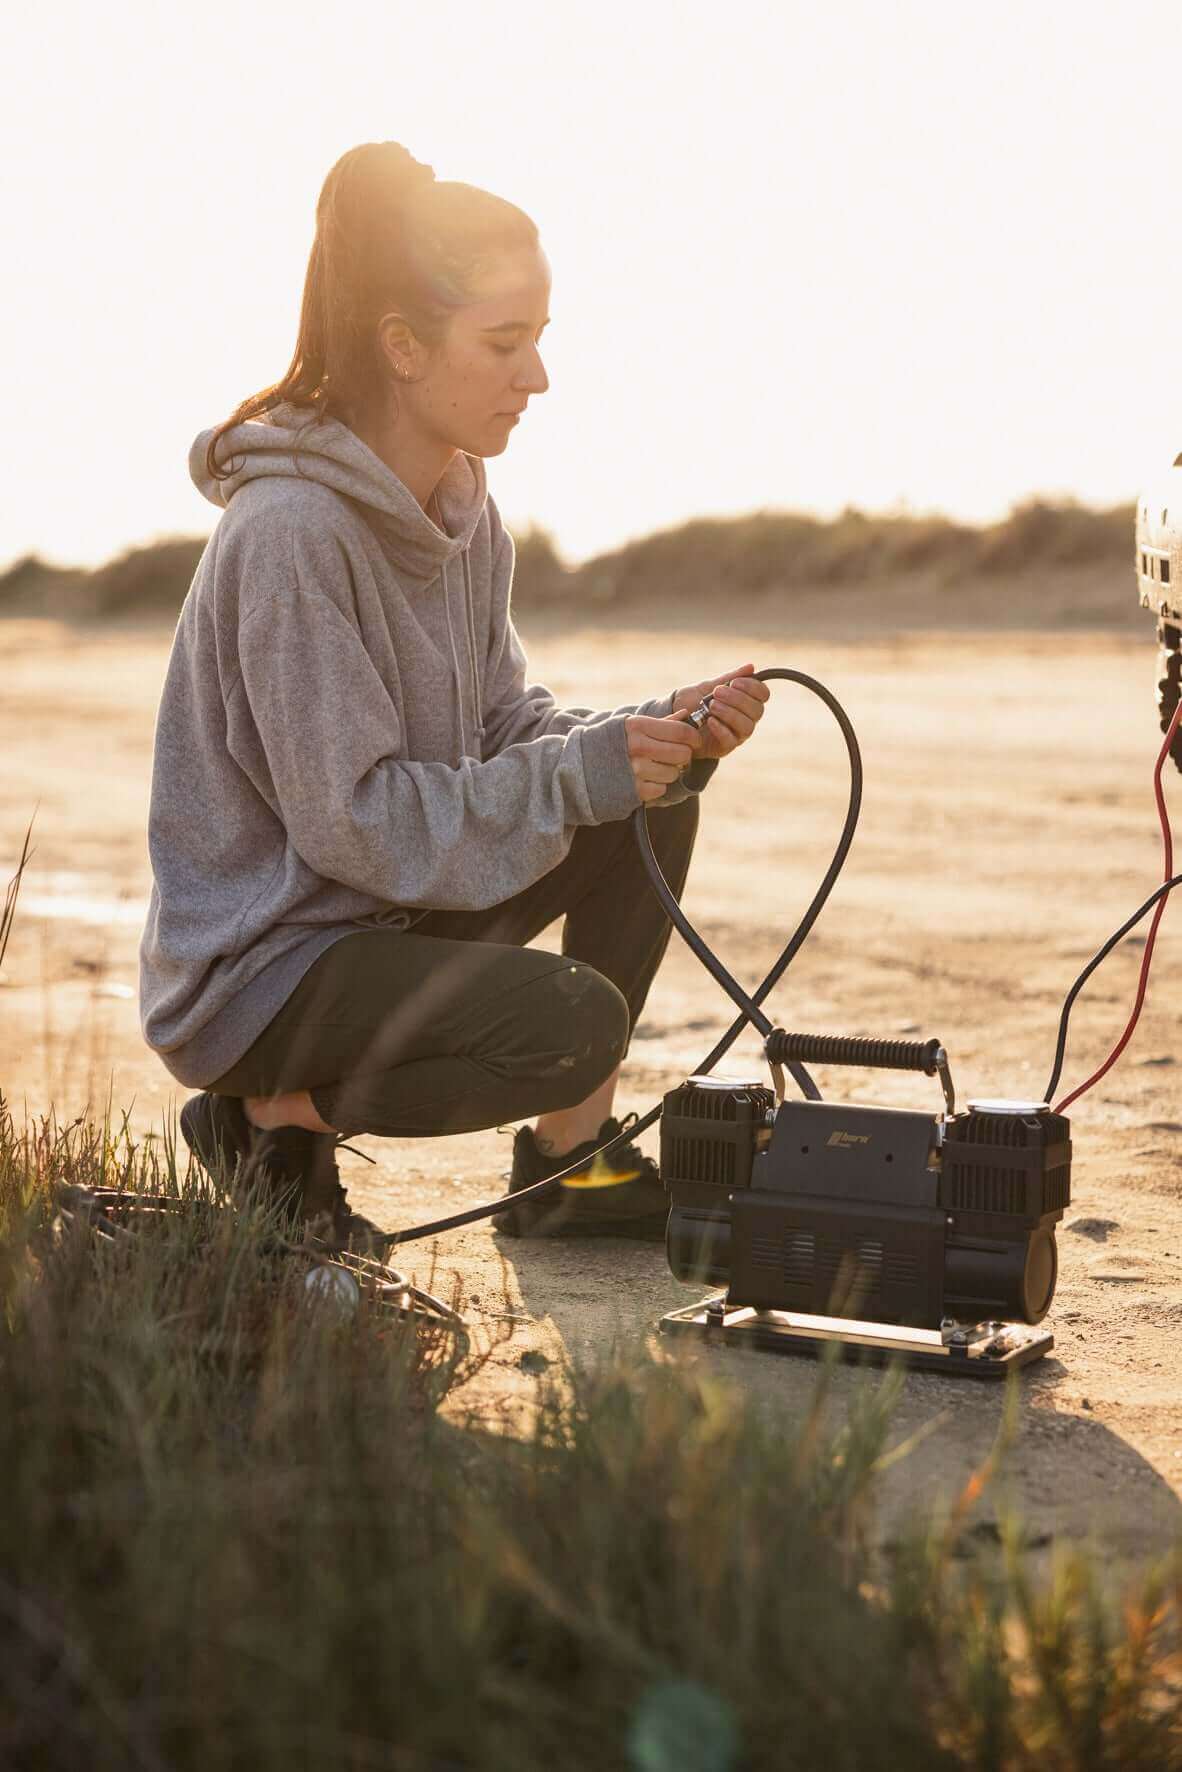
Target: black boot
x,y
227,1146
296,1168
617,1196
218,1133
326,1209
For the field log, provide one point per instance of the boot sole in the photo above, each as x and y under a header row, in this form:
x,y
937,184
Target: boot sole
x,y
549,1226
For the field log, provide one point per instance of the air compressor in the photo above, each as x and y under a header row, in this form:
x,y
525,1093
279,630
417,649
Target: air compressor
x,y
830,1220
930,1235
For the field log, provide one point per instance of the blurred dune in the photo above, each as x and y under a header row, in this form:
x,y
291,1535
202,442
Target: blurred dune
x,y
759,556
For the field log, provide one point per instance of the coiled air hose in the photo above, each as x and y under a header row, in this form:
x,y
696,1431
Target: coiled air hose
x,y
749,1006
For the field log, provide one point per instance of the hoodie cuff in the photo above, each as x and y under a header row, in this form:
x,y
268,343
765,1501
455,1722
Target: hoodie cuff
x,y
607,770
686,786
659,708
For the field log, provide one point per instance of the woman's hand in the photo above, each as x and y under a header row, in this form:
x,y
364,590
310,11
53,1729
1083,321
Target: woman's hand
x,y
736,706
660,749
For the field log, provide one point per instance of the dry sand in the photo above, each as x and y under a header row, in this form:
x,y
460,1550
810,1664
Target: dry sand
x,y
1008,828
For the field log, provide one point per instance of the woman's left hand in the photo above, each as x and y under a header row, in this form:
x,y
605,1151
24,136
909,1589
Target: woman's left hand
x,y
737,701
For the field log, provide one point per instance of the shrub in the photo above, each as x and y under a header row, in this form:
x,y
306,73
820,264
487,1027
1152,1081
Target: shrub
x,y
752,555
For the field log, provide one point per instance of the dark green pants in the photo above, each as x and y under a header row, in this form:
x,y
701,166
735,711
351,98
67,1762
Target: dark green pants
x,y
455,1024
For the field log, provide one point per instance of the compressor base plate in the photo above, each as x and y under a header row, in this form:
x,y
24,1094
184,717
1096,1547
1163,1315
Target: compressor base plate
x,y
986,1351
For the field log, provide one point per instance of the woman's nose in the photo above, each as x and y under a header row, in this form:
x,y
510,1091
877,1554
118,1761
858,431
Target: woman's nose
x,y
533,378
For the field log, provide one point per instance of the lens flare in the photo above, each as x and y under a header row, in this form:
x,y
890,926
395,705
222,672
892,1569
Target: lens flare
x,y
600,1175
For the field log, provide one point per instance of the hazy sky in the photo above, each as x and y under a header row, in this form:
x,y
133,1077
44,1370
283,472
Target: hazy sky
x,y
803,256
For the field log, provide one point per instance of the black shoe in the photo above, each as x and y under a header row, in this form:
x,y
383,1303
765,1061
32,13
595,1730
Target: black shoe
x,y
295,1167
218,1133
326,1209
618,1196
305,1164
348,1230
230,1149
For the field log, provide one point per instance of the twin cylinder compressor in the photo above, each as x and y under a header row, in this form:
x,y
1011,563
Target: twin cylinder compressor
x,y
882,1214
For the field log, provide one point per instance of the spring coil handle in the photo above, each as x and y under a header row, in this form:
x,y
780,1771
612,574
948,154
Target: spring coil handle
x,y
929,1056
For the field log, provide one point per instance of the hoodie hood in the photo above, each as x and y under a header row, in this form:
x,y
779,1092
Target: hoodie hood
x,y
287,441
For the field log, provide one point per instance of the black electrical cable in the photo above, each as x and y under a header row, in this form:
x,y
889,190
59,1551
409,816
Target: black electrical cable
x,y
1073,993
456,1220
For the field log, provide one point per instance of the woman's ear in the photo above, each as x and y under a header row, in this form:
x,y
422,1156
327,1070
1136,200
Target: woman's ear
x,y
399,346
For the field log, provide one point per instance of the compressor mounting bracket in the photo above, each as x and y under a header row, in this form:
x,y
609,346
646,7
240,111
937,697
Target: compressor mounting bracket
x,y
981,1350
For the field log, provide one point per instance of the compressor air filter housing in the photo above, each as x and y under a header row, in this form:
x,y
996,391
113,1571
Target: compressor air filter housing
x,y
885,1214
1005,1164
711,1131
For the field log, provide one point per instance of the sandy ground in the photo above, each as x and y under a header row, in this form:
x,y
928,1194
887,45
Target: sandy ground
x,y
1008,828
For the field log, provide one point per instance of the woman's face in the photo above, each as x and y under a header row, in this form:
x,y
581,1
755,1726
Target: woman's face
x,y
469,391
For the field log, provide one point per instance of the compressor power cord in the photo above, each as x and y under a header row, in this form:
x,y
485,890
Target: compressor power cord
x,y
748,1005
1159,898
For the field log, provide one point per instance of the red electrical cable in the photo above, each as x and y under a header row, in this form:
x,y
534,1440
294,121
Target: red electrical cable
x,y
1143,981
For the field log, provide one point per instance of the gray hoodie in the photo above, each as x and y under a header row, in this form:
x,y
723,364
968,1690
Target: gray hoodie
x,y
346,738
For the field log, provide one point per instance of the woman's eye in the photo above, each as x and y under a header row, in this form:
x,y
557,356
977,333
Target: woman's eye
x,y
507,350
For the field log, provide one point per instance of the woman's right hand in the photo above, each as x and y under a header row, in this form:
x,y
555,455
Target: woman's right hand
x,y
659,750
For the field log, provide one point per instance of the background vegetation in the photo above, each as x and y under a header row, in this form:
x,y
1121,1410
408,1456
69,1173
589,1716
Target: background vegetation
x,y
763,553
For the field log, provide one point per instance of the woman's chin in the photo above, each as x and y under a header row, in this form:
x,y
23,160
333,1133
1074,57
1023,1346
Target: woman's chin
x,y
490,438
485,448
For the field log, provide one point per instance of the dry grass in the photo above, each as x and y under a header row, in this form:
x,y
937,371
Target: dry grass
x,y
237,1531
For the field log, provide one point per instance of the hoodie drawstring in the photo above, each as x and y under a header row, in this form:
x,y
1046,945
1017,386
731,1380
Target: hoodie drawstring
x,y
455,657
470,612
470,629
